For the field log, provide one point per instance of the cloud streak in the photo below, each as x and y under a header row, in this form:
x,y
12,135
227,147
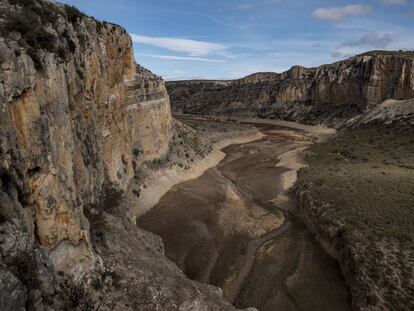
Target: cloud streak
x,y
341,13
191,47
370,39
182,58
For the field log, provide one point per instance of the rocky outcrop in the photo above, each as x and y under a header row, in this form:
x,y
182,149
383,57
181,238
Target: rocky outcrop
x,y
79,120
388,112
148,106
139,275
379,284
69,129
324,94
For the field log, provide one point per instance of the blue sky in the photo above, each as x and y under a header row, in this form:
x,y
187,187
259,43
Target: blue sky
x,y
226,39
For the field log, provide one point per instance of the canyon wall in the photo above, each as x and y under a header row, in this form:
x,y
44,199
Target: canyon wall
x,y
74,124
79,119
82,130
324,94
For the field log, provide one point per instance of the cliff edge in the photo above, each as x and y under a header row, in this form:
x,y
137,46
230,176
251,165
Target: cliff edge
x,y
79,121
327,94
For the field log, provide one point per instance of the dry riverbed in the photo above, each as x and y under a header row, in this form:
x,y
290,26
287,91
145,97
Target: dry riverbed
x,y
234,227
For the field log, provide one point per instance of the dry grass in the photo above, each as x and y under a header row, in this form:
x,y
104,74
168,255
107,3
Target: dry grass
x,y
368,176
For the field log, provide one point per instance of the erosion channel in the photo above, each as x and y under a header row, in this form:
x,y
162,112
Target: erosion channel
x,y
235,227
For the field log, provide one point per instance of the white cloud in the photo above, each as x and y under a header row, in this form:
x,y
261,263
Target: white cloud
x,y
191,47
371,39
182,58
401,36
392,2
340,13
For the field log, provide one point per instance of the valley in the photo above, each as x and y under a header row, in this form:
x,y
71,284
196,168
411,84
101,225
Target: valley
x,y
236,226
273,191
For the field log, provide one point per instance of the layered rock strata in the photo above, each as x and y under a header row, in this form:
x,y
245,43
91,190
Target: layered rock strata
x,y
329,93
79,120
74,127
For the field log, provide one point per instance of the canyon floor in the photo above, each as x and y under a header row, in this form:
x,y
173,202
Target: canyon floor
x,y
235,226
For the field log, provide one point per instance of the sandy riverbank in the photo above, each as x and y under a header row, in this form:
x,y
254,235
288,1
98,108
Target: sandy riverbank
x,y
320,131
159,182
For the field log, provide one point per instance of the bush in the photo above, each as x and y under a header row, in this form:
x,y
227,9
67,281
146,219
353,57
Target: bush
x,y
62,53
79,297
23,3
35,57
30,21
110,199
47,12
73,14
33,33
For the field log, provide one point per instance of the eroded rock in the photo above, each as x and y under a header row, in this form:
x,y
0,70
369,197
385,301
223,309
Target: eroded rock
x,y
327,94
79,119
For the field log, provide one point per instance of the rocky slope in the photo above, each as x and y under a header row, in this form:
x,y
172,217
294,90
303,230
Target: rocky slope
x,y
81,125
329,93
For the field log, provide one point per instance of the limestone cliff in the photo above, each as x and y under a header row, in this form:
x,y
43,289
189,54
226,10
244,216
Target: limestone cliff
x,y
71,127
78,121
324,94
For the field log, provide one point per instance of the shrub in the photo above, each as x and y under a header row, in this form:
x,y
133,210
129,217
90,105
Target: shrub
x,y
73,14
47,12
62,53
110,199
30,18
35,57
33,33
23,3
79,297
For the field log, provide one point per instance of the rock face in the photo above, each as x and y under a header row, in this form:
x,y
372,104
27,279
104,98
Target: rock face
x,y
140,275
324,94
78,120
71,127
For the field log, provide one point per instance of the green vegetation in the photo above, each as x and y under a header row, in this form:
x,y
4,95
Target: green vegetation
x,y
37,23
33,19
367,174
73,14
29,23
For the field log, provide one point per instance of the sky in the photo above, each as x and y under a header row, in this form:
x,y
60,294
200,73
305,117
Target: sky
x,y
227,39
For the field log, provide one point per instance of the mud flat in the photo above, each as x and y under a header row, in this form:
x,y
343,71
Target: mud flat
x,y
234,227
163,180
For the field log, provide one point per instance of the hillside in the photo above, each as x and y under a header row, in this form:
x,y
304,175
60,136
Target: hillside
x,y
327,94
